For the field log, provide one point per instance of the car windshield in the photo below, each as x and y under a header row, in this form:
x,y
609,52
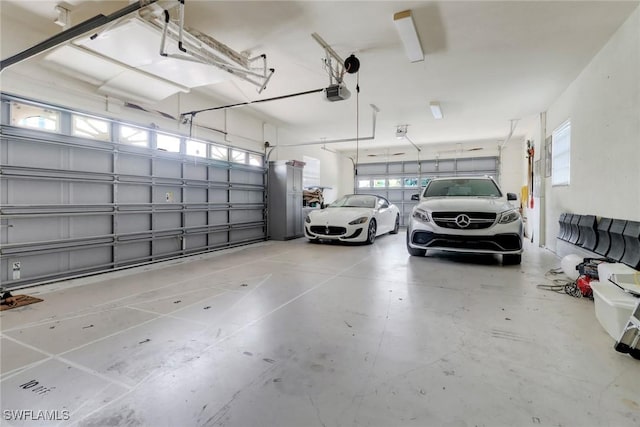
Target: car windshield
x,y
462,188
355,201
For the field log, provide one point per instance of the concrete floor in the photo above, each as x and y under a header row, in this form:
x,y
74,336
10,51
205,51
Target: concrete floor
x,y
296,334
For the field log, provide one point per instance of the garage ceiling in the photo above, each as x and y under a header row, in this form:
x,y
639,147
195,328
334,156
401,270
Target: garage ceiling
x,y
485,62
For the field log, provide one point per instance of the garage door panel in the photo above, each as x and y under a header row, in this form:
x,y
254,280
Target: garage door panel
x,y
23,230
93,225
245,216
90,193
195,242
243,196
168,246
133,222
192,171
248,234
168,220
218,217
218,174
133,165
195,219
36,191
133,251
91,161
217,239
89,258
134,193
30,154
246,177
167,168
218,195
195,195
167,194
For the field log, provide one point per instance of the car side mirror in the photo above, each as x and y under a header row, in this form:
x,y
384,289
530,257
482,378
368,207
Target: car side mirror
x,y
415,197
512,196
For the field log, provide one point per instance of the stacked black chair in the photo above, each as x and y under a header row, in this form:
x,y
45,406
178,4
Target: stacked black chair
x,y
575,231
562,232
567,227
631,236
616,251
604,239
588,234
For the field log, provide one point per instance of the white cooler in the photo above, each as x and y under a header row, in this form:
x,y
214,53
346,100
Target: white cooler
x,y
613,306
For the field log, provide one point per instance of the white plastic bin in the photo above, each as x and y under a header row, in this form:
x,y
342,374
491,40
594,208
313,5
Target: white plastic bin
x,y
613,307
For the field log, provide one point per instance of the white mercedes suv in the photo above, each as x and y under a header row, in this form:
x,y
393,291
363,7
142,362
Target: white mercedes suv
x,y
465,214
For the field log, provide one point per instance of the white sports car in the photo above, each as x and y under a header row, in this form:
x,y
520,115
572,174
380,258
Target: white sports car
x,y
353,218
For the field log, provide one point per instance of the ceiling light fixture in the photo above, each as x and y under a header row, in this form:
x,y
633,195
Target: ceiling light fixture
x,y
435,110
409,36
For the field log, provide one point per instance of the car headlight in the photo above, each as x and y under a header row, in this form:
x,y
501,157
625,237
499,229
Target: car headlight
x,y
360,220
509,216
421,215
307,219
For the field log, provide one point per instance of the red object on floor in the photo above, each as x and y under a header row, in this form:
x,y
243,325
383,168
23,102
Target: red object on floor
x,y
584,284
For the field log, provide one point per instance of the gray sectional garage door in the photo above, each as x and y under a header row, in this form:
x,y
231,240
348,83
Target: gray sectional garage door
x,y
71,206
397,181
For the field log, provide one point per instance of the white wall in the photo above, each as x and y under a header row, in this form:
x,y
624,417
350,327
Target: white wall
x,y
603,104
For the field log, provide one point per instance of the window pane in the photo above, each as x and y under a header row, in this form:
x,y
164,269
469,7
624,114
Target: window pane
x,y
395,182
32,116
410,182
134,136
561,154
424,182
364,183
195,148
311,172
219,153
379,183
168,143
255,160
89,127
238,156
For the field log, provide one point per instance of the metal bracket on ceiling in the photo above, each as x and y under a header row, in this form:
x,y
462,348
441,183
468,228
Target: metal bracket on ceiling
x,y
332,61
203,49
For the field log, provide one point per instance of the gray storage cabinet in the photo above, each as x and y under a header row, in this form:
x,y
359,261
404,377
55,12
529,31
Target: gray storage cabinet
x,y
285,199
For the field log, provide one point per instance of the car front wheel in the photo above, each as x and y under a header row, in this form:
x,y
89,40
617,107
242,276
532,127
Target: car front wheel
x,y
371,232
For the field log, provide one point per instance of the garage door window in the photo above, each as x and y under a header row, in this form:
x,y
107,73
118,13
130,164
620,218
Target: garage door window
x,y
168,143
33,116
90,127
134,136
195,148
219,153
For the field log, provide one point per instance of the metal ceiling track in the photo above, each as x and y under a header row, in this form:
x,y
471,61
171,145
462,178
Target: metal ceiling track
x,y
193,45
375,111
73,32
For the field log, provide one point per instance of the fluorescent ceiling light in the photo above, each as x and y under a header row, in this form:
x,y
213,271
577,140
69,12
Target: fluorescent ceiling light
x,y
435,110
409,36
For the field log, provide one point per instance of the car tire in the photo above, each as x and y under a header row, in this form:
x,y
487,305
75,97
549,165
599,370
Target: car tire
x,y
371,232
314,240
414,251
396,227
512,259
